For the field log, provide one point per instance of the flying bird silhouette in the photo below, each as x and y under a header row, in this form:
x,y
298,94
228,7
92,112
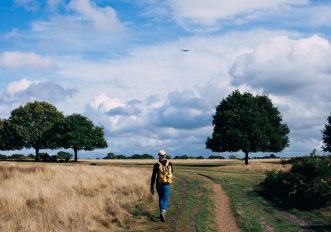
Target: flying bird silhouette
x,y
185,50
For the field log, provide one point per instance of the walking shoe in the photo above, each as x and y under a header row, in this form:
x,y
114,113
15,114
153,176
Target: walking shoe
x,y
162,216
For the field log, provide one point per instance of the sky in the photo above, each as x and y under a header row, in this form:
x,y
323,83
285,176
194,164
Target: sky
x,y
120,63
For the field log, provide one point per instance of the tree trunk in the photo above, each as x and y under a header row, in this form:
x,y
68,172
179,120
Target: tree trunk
x,y
75,150
37,154
246,157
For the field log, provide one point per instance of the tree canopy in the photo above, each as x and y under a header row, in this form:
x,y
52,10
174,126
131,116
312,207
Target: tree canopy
x,y
326,132
77,132
33,121
9,136
247,123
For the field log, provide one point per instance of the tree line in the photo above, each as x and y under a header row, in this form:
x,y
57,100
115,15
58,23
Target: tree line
x,y
242,122
39,125
111,155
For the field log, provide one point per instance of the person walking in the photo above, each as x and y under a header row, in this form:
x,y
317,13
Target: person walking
x,y
162,174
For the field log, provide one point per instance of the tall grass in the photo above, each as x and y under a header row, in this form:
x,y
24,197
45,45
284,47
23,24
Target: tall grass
x,y
69,198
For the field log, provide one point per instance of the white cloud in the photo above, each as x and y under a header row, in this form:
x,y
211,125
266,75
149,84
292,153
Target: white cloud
x,y
102,103
18,92
25,60
173,120
53,4
102,18
18,86
209,15
74,26
30,5
284,65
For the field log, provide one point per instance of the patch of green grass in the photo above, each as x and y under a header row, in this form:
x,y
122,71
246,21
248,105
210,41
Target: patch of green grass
x,y
316,217
192,209
252,212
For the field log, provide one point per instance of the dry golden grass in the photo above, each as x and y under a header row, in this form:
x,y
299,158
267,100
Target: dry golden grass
x,y
255,165
43,197
259,165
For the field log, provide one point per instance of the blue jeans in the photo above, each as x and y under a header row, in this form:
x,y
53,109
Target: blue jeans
x,y
163,190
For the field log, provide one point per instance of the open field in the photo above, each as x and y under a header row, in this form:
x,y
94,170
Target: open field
x,y
113,195
51,197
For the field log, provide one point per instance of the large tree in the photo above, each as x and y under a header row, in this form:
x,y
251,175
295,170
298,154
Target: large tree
x,y
247,123
10,139
79,133
33,121
327,135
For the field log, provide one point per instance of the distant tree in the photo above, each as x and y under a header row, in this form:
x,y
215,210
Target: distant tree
x,y
233,157
10,139
200,157
247,123
181,157
143,156
31,156
326,132
17,157
33,121
110,155
77,132
272,156
3,157
121,157
216,157
63,155
148,156
135,156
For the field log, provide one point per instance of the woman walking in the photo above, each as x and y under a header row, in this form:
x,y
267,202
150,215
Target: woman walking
x,y
162,173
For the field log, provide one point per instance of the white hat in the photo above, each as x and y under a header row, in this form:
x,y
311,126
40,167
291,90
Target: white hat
x,y
162,153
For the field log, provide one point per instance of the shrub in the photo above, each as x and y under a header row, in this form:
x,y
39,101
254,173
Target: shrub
x,y
31,156
216,157
62,155
307,185
181,157
3,157
110,155
44,157
144,156
17,157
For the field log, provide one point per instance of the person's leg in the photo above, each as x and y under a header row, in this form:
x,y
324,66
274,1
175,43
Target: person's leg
x,y
166,194
160,192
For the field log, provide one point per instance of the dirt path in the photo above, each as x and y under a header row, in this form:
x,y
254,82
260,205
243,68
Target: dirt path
x,y
224,219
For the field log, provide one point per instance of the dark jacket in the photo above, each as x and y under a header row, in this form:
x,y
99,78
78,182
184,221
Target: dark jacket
x,y
155,173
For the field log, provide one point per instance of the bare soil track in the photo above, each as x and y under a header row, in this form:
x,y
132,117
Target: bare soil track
x,y
223,218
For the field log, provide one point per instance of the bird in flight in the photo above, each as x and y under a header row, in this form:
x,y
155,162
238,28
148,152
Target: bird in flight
x,y
185,50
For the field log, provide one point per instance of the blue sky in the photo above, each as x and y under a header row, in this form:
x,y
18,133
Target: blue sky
x,y
120,63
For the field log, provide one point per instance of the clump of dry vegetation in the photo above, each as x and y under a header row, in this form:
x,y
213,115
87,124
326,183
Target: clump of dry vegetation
x,y
259,166
69,198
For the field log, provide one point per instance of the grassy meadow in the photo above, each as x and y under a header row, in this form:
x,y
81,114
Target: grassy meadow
x,y
113,195
52,197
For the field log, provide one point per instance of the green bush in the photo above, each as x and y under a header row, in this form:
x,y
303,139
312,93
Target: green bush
x,y
216,157
63,155
3,157
17,157
307,185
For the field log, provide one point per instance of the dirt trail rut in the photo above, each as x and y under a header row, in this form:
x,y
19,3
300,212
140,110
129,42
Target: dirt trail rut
x,y
224,219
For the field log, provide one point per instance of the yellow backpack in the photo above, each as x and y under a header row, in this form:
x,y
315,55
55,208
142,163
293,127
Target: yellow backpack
x,y
165,173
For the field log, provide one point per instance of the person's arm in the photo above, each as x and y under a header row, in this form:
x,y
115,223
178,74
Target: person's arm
x,y
172,167
153,178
